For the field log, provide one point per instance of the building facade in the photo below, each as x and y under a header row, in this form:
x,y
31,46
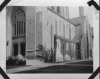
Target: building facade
x,y
48,28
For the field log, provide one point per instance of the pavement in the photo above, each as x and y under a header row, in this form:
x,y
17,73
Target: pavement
x,y
36,64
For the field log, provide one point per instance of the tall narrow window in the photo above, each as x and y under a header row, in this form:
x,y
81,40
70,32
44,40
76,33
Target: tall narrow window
x,y
14,29
64,30
59,25
58,10
20,27
19,22
17,28
67,13
24,27
52,8
56,27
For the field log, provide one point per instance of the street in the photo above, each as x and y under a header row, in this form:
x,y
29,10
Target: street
x,y
85,66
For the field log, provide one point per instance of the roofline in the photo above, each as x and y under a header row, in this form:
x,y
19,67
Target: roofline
x,y
78,17
59,15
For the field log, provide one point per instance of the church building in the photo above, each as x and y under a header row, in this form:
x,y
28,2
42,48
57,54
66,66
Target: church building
x,y
29,27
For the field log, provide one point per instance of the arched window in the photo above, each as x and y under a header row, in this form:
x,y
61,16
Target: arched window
x,y
18,22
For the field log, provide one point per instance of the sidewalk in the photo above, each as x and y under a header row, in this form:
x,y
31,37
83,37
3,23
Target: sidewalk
x,y
35,64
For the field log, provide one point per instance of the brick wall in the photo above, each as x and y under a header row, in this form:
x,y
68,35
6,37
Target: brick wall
x,y
38,29
46,26
30,30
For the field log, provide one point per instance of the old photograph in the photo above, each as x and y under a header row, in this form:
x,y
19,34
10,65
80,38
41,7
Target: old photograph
x,y
49,39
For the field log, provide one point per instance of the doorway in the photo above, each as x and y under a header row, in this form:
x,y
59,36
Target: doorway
x,y
15,49
22,45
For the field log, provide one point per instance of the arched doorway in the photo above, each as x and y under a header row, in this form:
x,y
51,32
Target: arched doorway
x,y
18,31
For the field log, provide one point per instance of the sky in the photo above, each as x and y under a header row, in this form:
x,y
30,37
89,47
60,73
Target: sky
x,y
88,11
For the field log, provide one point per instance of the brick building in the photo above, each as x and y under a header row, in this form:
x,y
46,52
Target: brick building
x,y
50,27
